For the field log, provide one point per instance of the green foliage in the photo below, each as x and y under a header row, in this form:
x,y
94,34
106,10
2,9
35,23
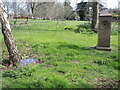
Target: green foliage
x,y
82,9
67,28
115,29
84,28
114,32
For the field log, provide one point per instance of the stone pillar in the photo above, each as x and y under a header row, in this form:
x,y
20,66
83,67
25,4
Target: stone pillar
x,y
104,30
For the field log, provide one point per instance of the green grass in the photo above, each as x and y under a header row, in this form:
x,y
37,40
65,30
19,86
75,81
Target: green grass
x,y
69,60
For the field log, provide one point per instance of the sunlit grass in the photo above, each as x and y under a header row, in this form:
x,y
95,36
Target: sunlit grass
x,y
70,62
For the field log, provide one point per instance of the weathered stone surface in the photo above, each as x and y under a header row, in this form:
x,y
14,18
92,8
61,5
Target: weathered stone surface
x,y
104,31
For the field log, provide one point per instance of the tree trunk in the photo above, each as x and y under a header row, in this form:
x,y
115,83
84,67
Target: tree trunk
x,y
95,17
8,38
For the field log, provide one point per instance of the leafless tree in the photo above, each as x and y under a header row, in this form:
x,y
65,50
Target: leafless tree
x,y
7,5
50,10
14,7
34,5
56,12
41,11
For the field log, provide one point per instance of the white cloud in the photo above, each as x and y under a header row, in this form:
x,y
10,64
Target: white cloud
x,y
112,3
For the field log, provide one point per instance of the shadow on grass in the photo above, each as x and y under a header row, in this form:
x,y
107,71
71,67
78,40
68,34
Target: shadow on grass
x,y
27,28
72,46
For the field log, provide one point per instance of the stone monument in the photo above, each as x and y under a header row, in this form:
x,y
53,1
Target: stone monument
x,y
104,30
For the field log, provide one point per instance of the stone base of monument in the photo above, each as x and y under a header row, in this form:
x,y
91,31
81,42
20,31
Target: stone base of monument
x,y
103,48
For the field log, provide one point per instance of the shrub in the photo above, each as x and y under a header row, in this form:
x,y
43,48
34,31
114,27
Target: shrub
x,y
67,28
83,28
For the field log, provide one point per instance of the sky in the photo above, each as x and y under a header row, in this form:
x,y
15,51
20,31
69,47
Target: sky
x,y
108,3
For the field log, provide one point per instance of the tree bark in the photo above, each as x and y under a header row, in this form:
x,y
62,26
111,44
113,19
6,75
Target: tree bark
x,y
95,17
8,38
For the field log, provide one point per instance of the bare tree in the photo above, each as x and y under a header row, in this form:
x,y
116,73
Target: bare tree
x,y
56,11
14,7
50,10
41,10
7,5
8,38
34,5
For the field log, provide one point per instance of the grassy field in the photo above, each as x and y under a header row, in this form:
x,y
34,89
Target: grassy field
x,y
69,60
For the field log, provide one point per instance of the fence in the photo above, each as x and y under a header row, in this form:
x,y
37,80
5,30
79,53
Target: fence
x,y
22,18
